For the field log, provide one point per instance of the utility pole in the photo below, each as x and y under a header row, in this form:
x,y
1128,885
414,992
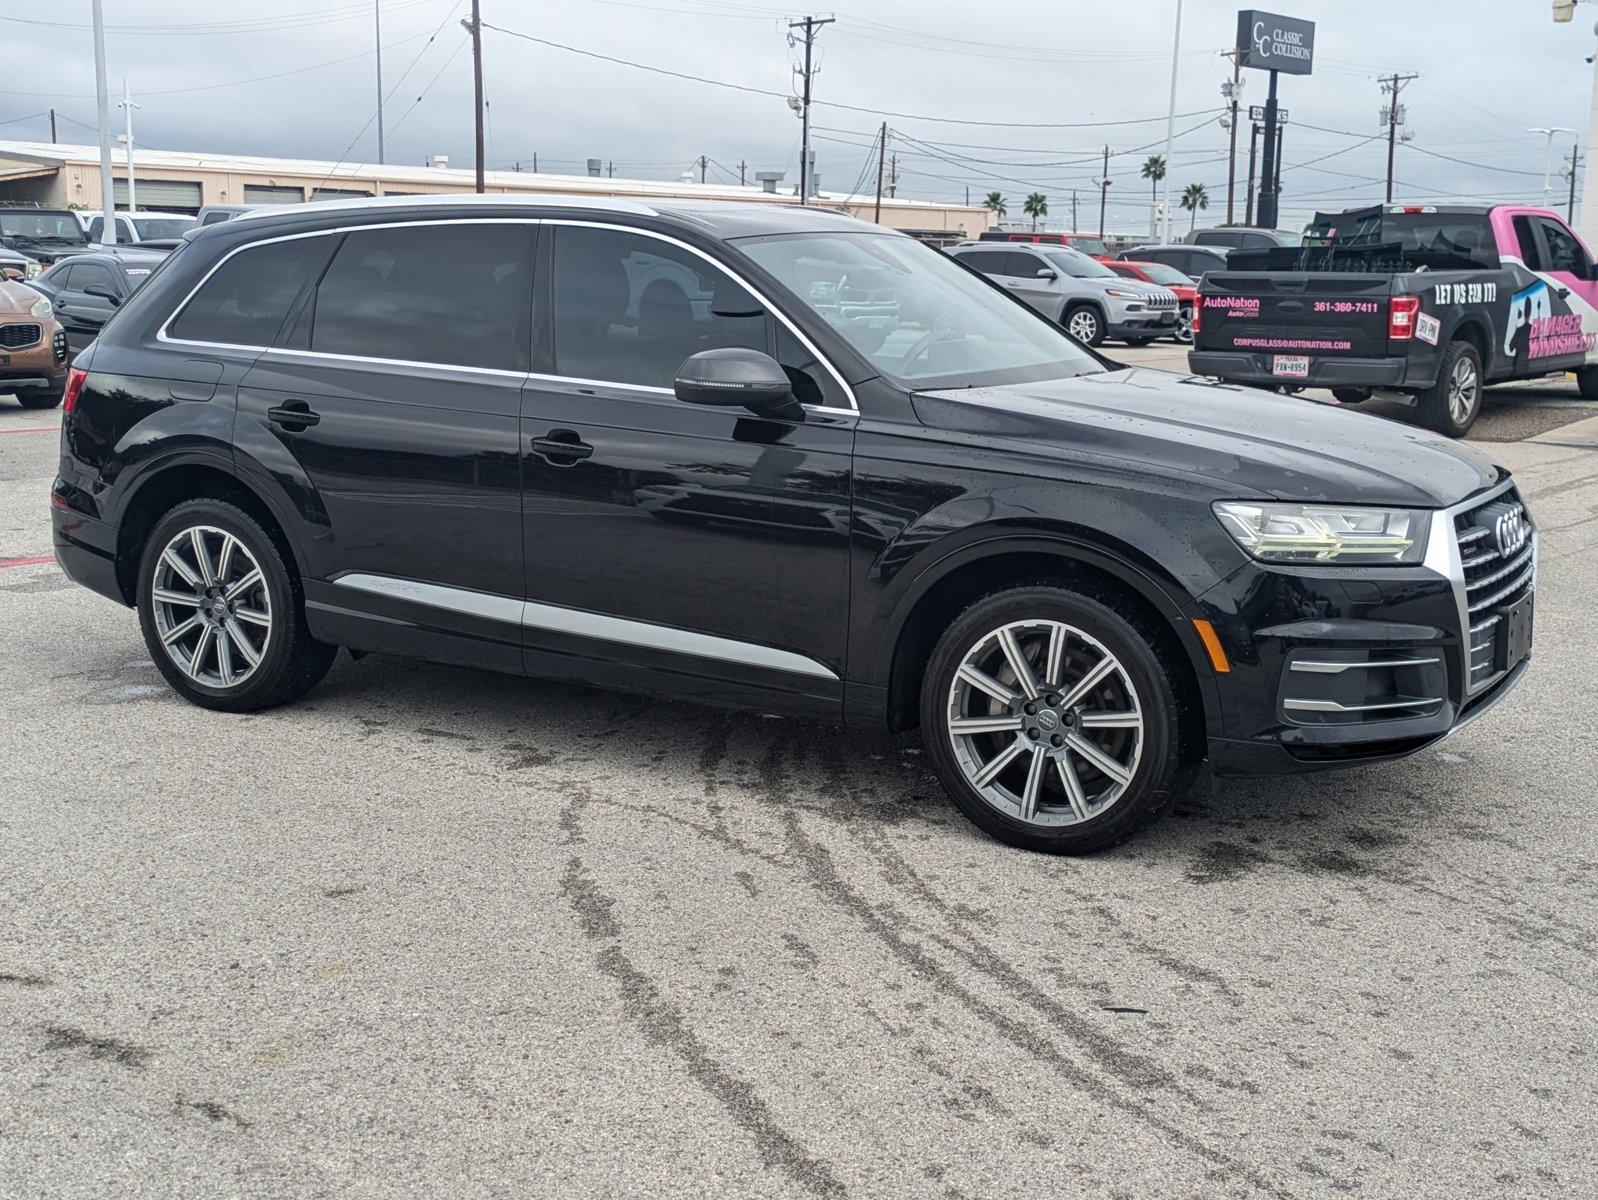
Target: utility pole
x,y
52,127
1575,165
127,106
377,23
703,164
1074,225
610,169
893,175
742,167
810,25
1232,94
882,150
1253,149
108,206
535,162
475,28
1104,191
1393,84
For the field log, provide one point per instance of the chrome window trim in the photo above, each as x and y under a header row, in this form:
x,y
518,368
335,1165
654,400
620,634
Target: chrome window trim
x,y
163,333
581,623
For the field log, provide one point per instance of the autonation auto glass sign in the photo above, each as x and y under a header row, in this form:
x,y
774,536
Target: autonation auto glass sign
x,y
1272,43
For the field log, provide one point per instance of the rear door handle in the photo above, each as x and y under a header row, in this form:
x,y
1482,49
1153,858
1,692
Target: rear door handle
x,y
293,415
562,447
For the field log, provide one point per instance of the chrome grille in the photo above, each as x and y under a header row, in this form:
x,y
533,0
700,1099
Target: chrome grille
x,y
19,337
1493,581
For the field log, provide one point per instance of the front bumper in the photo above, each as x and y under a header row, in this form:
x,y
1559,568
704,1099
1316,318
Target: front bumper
x,y
1158,322
1340,666
1254,367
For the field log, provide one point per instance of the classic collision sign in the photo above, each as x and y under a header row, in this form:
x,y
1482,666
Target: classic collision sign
x,y
1272,43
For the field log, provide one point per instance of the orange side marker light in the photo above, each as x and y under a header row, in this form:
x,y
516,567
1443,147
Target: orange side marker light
x,y
1206,633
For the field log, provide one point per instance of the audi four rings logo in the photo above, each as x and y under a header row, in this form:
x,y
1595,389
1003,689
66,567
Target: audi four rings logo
x,y
1510,531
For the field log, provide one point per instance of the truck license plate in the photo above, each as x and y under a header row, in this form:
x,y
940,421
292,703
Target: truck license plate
x,y
1516,642
1290,366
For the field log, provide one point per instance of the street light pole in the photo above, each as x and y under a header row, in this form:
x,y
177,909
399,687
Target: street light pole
x,y
1170,126
127,106
1548,132
108,227
377,21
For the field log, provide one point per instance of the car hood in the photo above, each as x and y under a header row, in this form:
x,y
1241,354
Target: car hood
x,y
16,299
1250,443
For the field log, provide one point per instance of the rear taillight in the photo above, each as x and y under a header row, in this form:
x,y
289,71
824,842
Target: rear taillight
x,y
75,378
1401,312
1198,307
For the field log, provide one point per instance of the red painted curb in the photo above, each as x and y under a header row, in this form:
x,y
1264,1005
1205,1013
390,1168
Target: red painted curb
x,y
36,560
34,429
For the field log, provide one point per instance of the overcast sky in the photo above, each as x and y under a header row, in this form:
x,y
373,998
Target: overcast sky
x,y
1488,70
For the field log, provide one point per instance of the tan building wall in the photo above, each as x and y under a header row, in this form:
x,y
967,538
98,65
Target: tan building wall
x,y
74,179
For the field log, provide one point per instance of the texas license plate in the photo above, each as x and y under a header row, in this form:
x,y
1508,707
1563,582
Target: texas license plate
x,y
1516,642
1290,366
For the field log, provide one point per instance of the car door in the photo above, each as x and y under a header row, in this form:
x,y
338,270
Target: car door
x,y
1565,340
88,297
668,541
1023,279
388,411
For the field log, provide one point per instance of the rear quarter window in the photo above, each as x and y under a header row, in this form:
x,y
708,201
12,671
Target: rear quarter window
x,y
245,301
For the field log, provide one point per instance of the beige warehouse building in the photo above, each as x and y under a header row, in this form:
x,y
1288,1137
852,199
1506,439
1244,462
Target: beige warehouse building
x,y
62,176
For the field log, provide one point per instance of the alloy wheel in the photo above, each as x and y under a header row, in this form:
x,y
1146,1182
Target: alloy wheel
x,y
212,610
1045,722
1083,326
1464,390
1184,324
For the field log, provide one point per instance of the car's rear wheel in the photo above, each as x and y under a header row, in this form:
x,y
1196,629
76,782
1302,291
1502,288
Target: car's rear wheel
x,y
1452,404
1054,722
1184,325
1084,324
40,397
221,612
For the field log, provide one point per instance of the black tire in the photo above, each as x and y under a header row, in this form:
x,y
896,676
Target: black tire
x,y
291,662
1083,322
1159,775
40,398
1345,395
1138,341
1436,409
1587,382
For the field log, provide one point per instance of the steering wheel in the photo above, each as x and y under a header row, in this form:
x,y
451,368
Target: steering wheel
x,y
942,331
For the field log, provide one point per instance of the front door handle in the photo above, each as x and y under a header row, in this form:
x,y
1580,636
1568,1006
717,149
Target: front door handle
x,y
561,447
293,415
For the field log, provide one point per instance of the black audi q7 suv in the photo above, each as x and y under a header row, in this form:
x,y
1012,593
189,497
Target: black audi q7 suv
x,y
778,458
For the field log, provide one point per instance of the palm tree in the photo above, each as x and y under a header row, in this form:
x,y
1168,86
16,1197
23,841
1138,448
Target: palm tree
x,y
1194,197
1037,205
996,203
1154,172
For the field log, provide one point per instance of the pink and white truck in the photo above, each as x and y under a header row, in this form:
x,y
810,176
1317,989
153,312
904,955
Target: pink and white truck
x,y
1424,302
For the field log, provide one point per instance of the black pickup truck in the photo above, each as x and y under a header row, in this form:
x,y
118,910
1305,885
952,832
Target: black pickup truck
x,y
1422,302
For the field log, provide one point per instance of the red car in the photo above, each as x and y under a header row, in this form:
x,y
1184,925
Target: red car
x,y
1167,277
1085,243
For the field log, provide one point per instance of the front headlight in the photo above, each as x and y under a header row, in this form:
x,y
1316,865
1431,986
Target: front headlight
x,y
1121,293
1345,535
42,309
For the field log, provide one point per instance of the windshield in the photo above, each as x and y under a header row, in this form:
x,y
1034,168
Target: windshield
x,y
157,228
915,314
1078,266
1160,273
42,226
1089,245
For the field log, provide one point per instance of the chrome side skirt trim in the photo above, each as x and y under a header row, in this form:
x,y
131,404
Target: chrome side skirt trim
x,y
579,623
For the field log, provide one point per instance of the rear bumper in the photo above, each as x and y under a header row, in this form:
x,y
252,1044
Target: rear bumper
x,y
1240,366
86,550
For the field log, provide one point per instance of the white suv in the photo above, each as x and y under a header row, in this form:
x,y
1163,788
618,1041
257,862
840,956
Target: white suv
x,y
1090,301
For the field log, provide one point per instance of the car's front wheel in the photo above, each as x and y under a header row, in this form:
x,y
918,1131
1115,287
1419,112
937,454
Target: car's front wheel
x,y
222,613
1055,722
40,397
1084,324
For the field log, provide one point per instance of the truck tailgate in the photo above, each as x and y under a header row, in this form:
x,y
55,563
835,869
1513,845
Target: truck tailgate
x,y
1294,313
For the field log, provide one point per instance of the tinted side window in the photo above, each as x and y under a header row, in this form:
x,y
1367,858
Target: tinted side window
x,y
244,301
60,276
459,295
1024,266
1253,241
93,275
630,309
1530,252
989,262
1564,251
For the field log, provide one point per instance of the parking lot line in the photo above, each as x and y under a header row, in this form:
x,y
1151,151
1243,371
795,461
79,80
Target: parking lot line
x,y
33,561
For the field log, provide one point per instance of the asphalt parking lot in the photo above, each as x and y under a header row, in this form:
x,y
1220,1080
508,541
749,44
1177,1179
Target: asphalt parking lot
x,y
440,933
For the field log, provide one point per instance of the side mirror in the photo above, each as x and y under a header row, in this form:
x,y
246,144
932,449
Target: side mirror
x,y
12,274
105,294
1045,273
735,377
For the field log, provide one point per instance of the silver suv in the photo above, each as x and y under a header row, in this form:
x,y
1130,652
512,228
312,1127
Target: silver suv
x,y
1090,301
